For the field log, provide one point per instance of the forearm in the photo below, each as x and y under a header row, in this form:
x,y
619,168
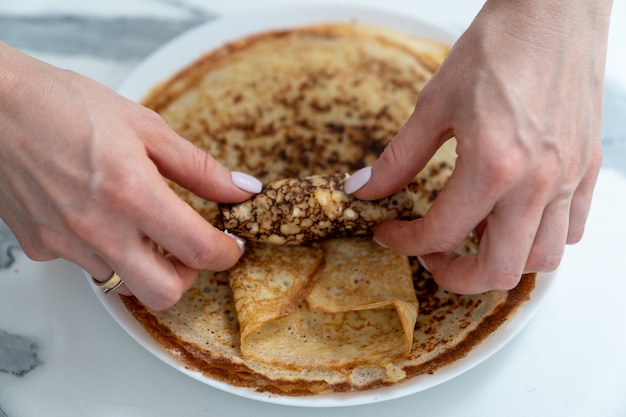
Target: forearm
x,y
19,76
10,90
559,14
543,60
583,24
29,99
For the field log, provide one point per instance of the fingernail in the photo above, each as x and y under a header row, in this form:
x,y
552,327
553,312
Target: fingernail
x,y
379,242
246,182
240,241
421,261
357,180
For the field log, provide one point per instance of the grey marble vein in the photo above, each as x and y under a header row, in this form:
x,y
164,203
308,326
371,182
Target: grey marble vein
x,y
8,244
118,38
18,354
2,413
182,5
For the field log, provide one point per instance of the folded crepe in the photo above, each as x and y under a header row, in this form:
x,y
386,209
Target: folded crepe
x,y
343,303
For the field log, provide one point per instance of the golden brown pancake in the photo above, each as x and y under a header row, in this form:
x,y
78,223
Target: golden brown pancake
x,y
318,100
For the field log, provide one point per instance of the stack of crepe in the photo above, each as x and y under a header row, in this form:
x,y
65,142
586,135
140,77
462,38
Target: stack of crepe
x,y
337,313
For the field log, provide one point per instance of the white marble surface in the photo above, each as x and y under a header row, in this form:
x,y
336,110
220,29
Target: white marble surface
x,y
61,354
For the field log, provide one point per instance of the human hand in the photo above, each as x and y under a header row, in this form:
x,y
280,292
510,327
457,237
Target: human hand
x,y
521,91
81,171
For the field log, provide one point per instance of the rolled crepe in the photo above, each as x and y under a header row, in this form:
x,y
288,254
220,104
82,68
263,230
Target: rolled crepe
x,y
301,210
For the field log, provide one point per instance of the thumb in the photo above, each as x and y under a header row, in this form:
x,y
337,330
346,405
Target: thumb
x,y
406,155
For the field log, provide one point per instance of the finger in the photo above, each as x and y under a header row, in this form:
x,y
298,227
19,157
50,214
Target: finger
x,y
480,229
581,203
180,230
192,168
501,258
549,245
408,152
156,280
122,289
459,208
93,264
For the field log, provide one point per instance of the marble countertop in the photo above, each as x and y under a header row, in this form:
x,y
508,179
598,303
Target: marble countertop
x,y
61,353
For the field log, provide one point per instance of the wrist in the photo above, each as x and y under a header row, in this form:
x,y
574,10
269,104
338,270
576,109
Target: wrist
x,y
555,15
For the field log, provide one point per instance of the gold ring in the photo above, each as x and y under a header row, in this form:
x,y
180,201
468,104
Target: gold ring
x,y
112,283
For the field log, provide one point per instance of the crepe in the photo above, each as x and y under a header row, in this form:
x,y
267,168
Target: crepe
x,y
326,306
319,100
312,101
294,211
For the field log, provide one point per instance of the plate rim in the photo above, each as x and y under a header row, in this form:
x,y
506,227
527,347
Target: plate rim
x,y
143,77
480,353
159,66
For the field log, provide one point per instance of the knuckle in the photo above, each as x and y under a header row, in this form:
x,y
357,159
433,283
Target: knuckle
x,y
447,245
154,120
166,295
46,244
575,235
502,173
503,280
203,166
36,253
79,224
551,264
203,163
208,256
121,185
123,190
595,158
393,154
445,241
201,259
546,262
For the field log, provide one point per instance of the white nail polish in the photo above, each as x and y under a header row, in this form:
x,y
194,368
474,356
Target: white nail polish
x,y
421,261
357,180
381,244
246,182
240,241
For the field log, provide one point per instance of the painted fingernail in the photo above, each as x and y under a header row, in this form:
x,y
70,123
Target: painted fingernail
x,y
357,180
421,260
240,241
246,182
379,242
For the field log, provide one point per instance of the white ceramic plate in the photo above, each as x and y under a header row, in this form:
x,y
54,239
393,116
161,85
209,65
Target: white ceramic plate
x,y
190,46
